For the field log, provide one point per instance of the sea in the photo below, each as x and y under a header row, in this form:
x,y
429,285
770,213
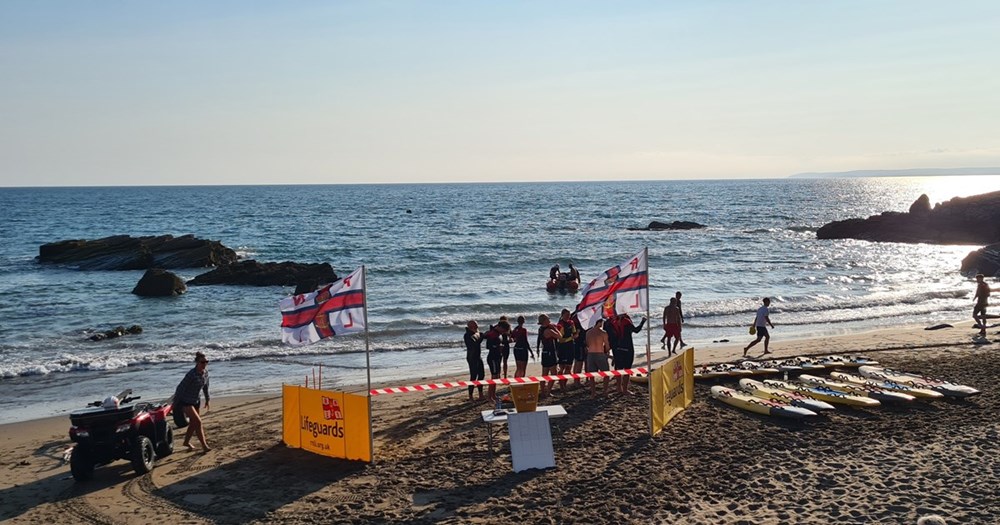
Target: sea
x,y
436,256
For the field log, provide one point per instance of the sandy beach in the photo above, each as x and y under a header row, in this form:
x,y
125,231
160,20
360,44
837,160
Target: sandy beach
x,y
712,464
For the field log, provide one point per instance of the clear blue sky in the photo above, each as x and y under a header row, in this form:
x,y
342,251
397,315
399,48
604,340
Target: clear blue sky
x,y
245,92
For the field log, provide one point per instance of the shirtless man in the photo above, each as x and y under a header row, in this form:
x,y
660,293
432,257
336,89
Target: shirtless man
x,y
672,326
598,353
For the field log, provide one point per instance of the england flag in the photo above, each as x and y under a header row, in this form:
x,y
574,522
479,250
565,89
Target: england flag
x,y
334,309
622,289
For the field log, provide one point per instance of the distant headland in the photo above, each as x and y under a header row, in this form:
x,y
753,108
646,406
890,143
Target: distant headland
x,y
913,172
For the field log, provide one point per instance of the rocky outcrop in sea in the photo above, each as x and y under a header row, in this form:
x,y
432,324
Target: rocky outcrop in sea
x,y
676,225
985,260
253,273
124,252
158,282
961,220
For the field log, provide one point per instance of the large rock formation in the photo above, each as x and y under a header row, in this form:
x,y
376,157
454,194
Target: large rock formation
x,y
269,274
676,225
984,260
158,282
124,252
962,220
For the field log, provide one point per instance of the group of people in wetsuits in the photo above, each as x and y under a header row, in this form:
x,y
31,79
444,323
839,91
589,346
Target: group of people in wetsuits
x,y
562,348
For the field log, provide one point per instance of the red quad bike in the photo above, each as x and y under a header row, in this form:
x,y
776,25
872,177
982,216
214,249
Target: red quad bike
x,y
137,432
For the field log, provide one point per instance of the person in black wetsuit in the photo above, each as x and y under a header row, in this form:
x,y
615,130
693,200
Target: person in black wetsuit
x,y
522,348
624,349
494,354
554,273
548,334
566,346
505,339
474,356
579,349
574,274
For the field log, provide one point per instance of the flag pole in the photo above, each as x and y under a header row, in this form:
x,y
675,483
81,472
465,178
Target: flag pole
x,y
649,345
368,366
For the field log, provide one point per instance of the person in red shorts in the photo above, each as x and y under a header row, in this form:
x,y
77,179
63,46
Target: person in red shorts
x,y
672,326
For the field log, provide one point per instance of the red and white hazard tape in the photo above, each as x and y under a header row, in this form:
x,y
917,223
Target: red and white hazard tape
x,y
513,381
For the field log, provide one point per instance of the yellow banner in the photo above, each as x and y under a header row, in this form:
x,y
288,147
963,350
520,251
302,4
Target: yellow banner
x,y
671,387
334,424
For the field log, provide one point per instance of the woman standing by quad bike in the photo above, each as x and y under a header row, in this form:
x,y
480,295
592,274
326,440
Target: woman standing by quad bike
x,y
187,402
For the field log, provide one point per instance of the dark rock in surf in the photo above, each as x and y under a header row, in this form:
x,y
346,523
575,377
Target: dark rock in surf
x,y
985,260
962,220
676,225
158,282
255,273
116,332
124,252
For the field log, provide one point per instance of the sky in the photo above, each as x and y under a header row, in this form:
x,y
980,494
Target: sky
x,y
246,92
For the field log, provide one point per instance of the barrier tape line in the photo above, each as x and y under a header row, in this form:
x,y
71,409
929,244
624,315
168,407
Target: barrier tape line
x,y
509,381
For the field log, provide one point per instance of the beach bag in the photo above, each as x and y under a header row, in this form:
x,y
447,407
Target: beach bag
x,y
753,330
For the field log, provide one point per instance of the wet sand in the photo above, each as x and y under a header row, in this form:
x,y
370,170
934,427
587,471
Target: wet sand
x,y
712,464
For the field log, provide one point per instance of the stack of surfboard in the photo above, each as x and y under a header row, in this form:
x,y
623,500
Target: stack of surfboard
x,y
749,368
790,397
857,389
758,405
871,387
847,361
946,388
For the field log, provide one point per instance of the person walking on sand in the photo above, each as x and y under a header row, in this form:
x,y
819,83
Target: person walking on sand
x,y
672,326
620,333
548,335
982,301
522,348
675,301
187,398
680,312
763,318
598,353
474,356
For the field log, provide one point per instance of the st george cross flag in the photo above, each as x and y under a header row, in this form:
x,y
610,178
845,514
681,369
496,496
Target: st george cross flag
x,y
619,290
334,309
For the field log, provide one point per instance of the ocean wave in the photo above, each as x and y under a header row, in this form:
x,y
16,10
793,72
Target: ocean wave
x,y
818,303
241,351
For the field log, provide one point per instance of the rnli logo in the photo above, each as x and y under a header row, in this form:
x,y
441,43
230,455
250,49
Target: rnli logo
x,y
331,409
678,371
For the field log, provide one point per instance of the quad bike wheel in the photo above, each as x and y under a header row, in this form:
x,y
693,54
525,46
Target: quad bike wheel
x,y
165,447
180,418
81,464
142,454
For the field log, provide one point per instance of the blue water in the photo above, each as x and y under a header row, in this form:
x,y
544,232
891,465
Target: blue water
x,y
465,251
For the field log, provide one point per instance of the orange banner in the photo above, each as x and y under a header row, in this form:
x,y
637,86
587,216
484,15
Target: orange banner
x,y
671,387
334,424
